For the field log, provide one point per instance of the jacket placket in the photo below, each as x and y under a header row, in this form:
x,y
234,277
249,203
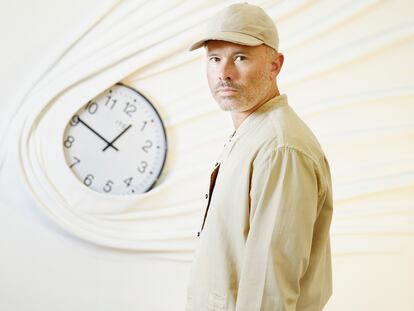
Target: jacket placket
x,y
213,178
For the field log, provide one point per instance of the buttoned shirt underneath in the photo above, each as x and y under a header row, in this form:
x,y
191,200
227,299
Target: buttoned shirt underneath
x,y
265,241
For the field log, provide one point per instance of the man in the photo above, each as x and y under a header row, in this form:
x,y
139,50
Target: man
x,y
264,241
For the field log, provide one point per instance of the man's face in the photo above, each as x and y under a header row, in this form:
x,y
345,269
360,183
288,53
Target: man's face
x,y
239,76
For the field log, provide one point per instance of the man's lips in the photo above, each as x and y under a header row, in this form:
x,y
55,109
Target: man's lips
x,y
227,89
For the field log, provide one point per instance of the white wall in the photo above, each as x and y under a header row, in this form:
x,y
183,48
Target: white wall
x,y
42,266
348,72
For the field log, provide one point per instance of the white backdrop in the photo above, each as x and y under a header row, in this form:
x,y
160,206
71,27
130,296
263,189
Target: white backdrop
x,y
348,72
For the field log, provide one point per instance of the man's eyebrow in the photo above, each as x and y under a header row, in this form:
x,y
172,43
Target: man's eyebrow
x,y
234,53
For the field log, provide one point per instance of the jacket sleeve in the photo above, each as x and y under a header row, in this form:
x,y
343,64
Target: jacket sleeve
x,y
283,209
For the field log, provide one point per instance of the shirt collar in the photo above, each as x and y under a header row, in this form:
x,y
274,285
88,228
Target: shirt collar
x,y
256,116
251,122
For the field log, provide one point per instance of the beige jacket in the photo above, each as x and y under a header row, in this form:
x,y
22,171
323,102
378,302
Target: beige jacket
x,y
265,241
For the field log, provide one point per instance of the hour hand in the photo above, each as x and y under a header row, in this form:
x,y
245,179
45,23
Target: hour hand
x,y
110,144
97,134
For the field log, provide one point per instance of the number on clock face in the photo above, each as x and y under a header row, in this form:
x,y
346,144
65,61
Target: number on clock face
x,y
116,143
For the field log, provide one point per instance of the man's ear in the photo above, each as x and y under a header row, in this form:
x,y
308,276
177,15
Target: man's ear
x,y
277,63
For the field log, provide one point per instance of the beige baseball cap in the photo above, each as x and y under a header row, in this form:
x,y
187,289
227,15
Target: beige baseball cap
x,y
241,23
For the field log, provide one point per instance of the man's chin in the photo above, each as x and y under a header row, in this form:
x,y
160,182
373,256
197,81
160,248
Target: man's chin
x,y
228,103
227,106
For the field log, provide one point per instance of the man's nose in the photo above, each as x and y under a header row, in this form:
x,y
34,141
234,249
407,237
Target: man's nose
x,y
226,71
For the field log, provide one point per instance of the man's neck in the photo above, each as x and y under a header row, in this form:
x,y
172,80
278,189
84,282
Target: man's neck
x,y
239,117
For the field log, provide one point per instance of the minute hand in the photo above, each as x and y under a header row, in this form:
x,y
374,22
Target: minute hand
x,y
110,144
97,134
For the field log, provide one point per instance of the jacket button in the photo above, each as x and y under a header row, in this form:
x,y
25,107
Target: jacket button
x,y
206,196
198,233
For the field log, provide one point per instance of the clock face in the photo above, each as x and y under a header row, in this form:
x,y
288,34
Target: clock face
x,y
116,143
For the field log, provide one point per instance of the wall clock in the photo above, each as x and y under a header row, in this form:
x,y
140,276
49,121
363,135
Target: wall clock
x,y
116,143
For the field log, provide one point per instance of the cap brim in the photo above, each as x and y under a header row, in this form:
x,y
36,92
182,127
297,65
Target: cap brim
x,y
234,37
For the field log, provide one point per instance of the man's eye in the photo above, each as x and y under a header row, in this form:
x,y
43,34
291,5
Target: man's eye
x,y
214,59
240,58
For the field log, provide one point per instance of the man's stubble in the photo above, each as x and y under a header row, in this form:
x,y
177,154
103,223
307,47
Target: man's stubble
x,y
246,97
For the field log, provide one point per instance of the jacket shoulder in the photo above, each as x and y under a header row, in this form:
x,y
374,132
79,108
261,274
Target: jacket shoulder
x,y
284,128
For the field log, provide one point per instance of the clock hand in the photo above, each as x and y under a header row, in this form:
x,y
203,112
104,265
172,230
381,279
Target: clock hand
x,y
109,144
